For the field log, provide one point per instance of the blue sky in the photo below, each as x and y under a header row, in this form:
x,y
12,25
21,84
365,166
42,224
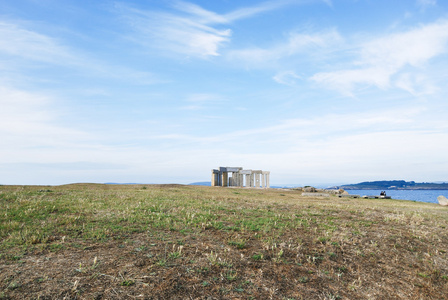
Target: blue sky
x,y
317,92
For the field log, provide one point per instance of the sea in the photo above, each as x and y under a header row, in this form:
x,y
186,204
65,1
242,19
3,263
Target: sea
x,y
412,195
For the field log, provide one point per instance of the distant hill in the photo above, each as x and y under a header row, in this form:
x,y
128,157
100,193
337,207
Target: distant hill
x,y
395,185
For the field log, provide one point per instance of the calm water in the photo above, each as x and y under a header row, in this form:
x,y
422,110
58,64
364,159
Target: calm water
x,y
416,195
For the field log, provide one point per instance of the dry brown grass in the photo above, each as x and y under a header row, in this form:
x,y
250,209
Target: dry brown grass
x,y
88,241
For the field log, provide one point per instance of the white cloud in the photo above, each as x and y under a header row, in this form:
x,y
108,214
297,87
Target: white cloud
x,y
201,101
384,57
28,120
426,3
415,84
286,77
345,81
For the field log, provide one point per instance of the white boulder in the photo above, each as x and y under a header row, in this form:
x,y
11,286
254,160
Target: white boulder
x,y
442,200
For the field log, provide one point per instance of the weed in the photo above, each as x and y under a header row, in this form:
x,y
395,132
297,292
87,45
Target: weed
x,y
56,247
240,244
161,262
424,275
95,263
139,249
205,283
280,254
14,285
257,256
174,255
127,282
231,275
80,268
331,296
303,279
323,239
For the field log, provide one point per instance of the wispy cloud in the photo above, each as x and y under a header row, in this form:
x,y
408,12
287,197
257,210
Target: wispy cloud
x,y
26,44
297,43
426,3
175,33
286,77
190,30
201,101
22,49
292,132
247,12
380,59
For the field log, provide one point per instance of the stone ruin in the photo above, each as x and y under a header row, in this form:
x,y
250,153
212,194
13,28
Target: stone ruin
x,y
240,178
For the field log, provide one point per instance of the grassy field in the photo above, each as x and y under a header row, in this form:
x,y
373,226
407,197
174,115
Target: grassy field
x,y
90,241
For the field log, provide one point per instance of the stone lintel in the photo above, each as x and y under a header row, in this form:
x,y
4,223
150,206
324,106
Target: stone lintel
x,y
245,172
257,171
266,172
230,169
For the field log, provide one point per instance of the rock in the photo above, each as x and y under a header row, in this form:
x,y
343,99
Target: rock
x,y
342,191
332,192
316,194
442,200
309,189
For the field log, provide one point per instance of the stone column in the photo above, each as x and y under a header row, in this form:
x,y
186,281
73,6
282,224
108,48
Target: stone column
x,y
225,179
263,181
267,180
215,175
257,174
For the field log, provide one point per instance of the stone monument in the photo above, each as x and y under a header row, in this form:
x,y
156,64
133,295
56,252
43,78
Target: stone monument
x,y
240,178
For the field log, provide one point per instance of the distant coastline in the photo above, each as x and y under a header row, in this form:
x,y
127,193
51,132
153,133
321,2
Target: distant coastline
x,y
395,185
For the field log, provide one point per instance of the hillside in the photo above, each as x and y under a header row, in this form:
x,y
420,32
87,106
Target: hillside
x,y
85,241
